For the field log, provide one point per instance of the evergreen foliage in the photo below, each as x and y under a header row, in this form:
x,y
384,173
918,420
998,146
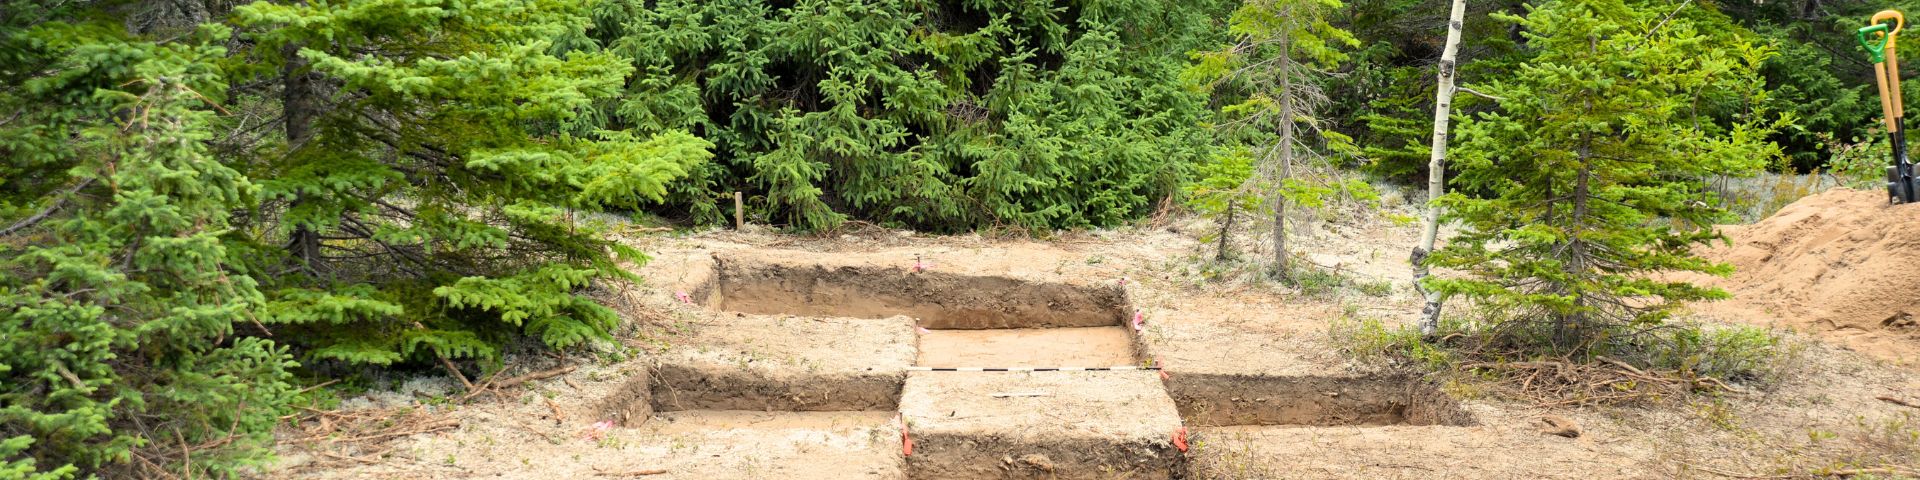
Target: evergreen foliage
x,y
936,114
1270,77
432,160
196,195
1386,100
370,182
120,294
1819,78
1595,165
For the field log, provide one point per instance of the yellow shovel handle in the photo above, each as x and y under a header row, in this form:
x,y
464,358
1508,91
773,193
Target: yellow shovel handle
x,y
1891,91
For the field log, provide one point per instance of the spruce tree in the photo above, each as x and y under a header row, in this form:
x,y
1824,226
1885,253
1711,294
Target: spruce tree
x,y
188,210
935,114
119,293
1593,170
1281,52
420,204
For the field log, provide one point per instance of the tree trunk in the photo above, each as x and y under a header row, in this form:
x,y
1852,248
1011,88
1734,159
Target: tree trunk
x,y
1226,230
1285,67
1437,168
1569,329
298,100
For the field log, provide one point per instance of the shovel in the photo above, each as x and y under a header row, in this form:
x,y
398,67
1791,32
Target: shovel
x,y
1901,185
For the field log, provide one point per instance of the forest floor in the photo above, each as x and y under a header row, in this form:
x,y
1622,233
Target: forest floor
x,y
763,355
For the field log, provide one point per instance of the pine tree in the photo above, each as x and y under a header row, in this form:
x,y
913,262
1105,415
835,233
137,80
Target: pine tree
x,y
1594,169
1282,50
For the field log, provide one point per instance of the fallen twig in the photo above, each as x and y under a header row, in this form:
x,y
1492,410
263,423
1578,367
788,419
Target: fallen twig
x,y
558,416
549,373
1872,471
489,385
316,387
1850,472
430,427
456,372
1728,474
337,456
1896,401
629,473
1630,368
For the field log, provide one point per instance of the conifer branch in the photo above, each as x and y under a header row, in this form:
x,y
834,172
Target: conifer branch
x,y
58,202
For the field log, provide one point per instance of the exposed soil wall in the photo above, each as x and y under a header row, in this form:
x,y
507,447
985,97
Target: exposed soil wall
x,y
957,457
940,300
700,387
631,404
1218,400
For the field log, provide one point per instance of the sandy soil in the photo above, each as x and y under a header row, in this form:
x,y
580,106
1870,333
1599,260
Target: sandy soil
x,y
1027,347
1067,425
1198,321
1842,265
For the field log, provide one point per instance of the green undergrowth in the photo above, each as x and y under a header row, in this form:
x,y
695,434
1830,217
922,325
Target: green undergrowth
x,y
1679,358
1311,280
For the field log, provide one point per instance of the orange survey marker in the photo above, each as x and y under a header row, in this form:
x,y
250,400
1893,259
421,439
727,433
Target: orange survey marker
x,y
906,442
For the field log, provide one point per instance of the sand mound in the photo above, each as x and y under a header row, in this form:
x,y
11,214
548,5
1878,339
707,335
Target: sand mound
x,y
1843,265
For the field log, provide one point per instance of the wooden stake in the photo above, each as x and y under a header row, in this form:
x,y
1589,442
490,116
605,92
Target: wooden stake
x,y
739,213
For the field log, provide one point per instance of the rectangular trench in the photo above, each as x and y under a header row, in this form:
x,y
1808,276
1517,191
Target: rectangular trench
x,y
1065,425
1244,400
940,300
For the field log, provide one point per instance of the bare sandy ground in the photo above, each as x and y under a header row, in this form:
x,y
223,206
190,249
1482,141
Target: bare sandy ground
x,y
1823,414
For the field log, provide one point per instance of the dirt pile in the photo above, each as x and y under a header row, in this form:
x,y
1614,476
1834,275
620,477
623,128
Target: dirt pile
x,y
1842,264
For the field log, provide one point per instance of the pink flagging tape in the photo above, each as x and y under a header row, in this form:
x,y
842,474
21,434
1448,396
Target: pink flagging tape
x,y
1139,321
1180,439
906,442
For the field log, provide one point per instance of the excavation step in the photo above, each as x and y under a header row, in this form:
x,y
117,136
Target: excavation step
x,y
1056,425
784,363
1227,400
766,284
1027,347
709,444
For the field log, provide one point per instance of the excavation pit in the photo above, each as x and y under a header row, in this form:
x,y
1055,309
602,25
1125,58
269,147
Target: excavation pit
x,y
1056,425
1028,347
778,363
940,300
1237,400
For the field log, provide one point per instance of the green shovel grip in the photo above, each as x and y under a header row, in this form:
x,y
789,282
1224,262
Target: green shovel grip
x,y
1875,51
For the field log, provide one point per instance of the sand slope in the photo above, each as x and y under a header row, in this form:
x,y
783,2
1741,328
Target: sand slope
x,y
1843,265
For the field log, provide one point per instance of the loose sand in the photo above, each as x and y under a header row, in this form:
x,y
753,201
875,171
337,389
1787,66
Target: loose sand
x,y
1842,265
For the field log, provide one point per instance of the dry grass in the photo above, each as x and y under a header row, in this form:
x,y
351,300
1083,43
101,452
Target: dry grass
x,y
361,436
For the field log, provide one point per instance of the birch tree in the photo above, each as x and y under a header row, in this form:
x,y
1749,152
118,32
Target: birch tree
x,y
1437,167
